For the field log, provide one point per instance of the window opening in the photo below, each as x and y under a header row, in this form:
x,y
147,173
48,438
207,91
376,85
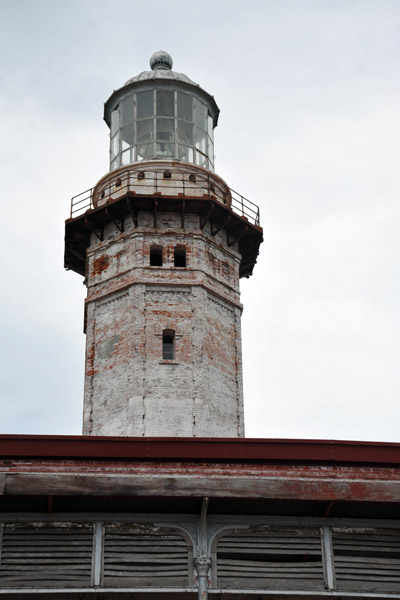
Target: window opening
x,y
156,256
168,344
180,257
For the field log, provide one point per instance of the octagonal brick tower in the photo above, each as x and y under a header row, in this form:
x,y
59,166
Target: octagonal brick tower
x,y
162,242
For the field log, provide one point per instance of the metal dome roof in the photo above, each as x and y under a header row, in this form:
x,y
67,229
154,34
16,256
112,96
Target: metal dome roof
x,y
161,64
161,74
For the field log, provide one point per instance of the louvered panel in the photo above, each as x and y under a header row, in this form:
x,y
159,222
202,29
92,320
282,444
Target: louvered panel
x,y
138,555
58,555
367,560
271,558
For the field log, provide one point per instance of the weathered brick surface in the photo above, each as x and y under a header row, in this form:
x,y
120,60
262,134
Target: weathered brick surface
x,y
129,388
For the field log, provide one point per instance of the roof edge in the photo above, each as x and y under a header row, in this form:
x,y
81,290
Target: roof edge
x,y
199,449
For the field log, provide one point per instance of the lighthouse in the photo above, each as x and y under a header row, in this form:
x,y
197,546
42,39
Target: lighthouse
x,y
162,242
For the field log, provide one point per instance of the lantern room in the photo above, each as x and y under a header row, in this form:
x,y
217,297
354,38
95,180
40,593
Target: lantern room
x,y
161,114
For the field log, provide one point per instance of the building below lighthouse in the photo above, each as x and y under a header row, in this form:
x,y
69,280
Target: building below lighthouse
x,y
163,497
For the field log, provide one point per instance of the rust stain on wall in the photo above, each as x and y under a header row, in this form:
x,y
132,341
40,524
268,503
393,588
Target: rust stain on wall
x,y
90,371
101,264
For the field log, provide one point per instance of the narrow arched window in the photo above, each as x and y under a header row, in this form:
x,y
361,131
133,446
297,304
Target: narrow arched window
x,y
180,256
168,344
156,256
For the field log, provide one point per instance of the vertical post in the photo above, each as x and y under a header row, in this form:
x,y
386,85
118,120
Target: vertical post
x,y
202,562
1,540
327,558
97,554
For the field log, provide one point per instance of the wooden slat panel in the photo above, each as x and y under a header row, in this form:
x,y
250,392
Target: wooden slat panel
x,y
142,555
58,555
271,558
367,561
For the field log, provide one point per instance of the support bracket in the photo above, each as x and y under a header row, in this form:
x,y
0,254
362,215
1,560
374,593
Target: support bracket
x,y
215,230
237,237
119,223
132,212
98,231
205,218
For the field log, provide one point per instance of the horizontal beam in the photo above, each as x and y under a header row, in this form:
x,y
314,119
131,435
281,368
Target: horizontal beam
x,y
185,485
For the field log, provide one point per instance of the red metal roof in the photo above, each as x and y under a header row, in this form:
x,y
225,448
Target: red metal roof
x,y
199,449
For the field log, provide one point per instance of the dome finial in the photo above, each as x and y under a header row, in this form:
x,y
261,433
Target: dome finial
x,y
161,60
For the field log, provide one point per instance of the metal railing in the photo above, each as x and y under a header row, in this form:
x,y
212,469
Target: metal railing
x,y
165,182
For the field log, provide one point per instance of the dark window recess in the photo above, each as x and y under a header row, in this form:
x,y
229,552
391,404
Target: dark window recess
x,y
180,257
156,257
168,340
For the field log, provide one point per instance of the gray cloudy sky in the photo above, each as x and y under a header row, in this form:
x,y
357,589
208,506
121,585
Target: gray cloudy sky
x,y
309,92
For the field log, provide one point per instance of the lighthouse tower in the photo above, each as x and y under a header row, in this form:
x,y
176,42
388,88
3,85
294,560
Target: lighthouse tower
x,y
162,242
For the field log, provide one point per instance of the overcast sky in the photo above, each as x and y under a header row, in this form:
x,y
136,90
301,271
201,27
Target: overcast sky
x,y
309,92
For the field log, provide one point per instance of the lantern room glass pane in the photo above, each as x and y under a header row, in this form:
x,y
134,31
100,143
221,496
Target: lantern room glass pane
x,y
114,121
201,160
145,151
126,157
185,106
144,104
201,140
166,130
115,144
165,103
165,150
128,136
185,153
210,126
200,114
185,132
210,150
145,131
127,111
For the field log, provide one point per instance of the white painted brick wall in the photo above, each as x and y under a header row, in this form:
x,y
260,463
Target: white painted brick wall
x,y
129,389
